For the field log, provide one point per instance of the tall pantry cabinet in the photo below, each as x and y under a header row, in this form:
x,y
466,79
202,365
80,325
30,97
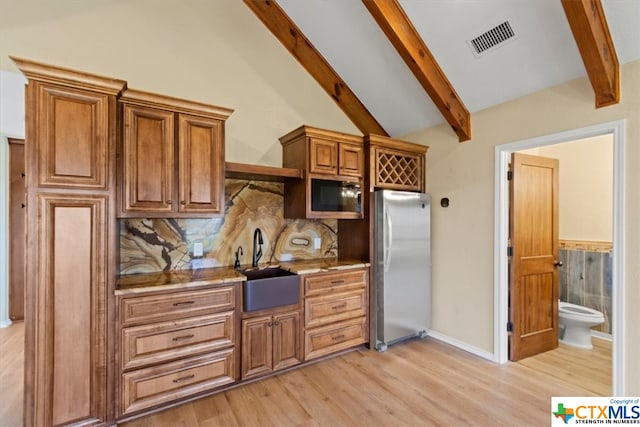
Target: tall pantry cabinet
x,y
71,232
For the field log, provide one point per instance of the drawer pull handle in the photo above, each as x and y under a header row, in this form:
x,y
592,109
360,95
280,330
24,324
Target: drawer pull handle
x,y
178,304
188,377
337,282
339,306
337,337
184,337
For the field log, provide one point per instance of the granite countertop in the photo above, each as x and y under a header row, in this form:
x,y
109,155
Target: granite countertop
x,y
320,265
180,279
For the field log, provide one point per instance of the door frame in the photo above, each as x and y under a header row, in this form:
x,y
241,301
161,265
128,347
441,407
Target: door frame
x,y
4,231
501,235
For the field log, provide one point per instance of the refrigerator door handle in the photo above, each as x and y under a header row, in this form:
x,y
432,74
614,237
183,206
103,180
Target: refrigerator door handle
x,y
389,235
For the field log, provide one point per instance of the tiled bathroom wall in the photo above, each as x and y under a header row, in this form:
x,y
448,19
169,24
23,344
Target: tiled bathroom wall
x,y
152,245
585,279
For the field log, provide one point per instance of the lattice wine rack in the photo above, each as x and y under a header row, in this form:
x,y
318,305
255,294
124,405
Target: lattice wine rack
x,y
399,170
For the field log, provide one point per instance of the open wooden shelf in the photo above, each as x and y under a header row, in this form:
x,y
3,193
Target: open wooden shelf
x,y
260,173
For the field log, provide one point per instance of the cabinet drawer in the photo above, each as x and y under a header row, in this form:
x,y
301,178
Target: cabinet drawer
x,y
338,336
176,305
325,309
317,284
144,388
161,342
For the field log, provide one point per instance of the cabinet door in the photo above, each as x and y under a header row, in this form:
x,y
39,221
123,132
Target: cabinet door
x,y
323,156
148,154
286,340
256,346
201,164
71,327
351,160
72,140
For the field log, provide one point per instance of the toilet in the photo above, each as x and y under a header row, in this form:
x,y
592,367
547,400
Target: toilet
x,y
576,322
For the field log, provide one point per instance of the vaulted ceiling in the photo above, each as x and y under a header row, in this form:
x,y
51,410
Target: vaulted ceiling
x,y
397,66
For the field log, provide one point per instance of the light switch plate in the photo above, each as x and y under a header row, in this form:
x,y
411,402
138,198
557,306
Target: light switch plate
x,y
197,249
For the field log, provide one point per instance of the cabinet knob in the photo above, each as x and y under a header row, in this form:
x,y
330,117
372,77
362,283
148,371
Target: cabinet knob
x,y
169,201
182,202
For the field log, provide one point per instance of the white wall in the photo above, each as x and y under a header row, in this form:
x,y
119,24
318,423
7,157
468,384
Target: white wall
x,y
586,187
216,52
11,125
463,279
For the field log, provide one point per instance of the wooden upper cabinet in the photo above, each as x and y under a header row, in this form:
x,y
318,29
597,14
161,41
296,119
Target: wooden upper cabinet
x,y
172,157
351,160
72,137
148,155
324,152
200,171
323,156
395,164
330,160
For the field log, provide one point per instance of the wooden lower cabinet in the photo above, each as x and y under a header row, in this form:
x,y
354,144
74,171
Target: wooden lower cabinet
x,y
155,343
269,343
335,311
145,388
334,337
175,344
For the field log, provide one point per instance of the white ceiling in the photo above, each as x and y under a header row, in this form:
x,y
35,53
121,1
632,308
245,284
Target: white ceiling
x,y
542,55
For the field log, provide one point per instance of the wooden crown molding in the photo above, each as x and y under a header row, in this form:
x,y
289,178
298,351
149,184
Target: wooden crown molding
x,y
396,144
288,33
169,103
400,31
312,132
591,32
70,78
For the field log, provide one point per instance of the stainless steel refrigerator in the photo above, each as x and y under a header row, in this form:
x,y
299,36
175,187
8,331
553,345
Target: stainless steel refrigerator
x,y
402,266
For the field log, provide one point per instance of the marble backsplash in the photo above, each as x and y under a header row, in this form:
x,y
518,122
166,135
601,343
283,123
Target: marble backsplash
x,y
152,245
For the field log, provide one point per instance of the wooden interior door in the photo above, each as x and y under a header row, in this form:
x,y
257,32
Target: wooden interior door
x,y
17,231
533,288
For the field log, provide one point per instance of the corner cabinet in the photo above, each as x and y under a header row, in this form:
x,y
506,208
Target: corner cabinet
x,y
70,252
323,155
395,164
172,157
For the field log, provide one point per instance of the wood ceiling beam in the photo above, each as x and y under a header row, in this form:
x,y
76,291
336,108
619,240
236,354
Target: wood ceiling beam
x,y
404,37
288,33
591,32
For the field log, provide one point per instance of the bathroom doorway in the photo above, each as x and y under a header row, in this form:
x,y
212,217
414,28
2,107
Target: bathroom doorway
x,y
545,146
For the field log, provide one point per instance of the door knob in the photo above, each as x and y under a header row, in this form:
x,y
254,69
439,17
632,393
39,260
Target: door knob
x,y
558,263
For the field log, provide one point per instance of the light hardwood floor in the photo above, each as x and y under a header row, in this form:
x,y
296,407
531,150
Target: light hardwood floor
x,y
420,382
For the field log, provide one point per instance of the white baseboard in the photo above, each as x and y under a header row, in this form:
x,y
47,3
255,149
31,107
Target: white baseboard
x,y
5,323
461,345
602,335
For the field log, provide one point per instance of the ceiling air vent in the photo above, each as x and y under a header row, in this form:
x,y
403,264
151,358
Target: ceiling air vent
x,y
492,39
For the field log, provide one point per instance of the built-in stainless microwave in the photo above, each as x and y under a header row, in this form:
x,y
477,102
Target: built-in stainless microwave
x,y
335,196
